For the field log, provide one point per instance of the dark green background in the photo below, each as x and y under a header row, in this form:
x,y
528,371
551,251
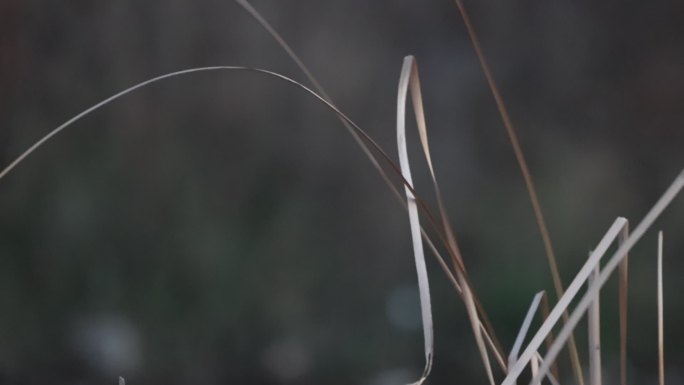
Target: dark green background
x,y
224,228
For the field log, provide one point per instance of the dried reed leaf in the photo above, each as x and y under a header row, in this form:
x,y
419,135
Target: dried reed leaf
x,y
410,79
148,82
563,303
321,91
552,378
548,341
527,176
534,367
661,342
414,221
594,319
608,269
522,333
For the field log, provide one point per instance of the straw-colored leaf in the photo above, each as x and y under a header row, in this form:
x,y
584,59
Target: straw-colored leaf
x,y
522,333
552,378
39,143
548,341
594,318
661,341
409,79
321,91
414,221
608,269
534,367
574,287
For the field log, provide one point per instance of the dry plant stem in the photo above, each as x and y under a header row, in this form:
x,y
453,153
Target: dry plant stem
x,y
490,335
553,265
472,315
623,295
492,344
608,269
545,311
594,319
563,303
550,377
302,67
534,367
522,333
661,343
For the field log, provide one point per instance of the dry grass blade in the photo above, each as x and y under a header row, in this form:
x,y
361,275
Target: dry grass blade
x,y
552,378
283,44
594,318
531,190
319,88
411,70
623,296
148,82
522,333
450,275
608,269
409,79
661,342
562,305
548,341
414,219
534,367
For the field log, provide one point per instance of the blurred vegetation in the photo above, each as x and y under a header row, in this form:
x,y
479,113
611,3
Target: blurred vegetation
x,y
223,228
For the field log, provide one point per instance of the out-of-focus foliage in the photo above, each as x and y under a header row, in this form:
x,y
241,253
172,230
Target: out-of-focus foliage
x,y
224,228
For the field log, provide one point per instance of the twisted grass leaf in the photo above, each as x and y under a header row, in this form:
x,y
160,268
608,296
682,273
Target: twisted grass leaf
x,y
414,221
479,315
608,269
410,79
527,176
563,303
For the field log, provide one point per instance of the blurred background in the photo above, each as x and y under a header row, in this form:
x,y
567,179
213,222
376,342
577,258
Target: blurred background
x,y
224,228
